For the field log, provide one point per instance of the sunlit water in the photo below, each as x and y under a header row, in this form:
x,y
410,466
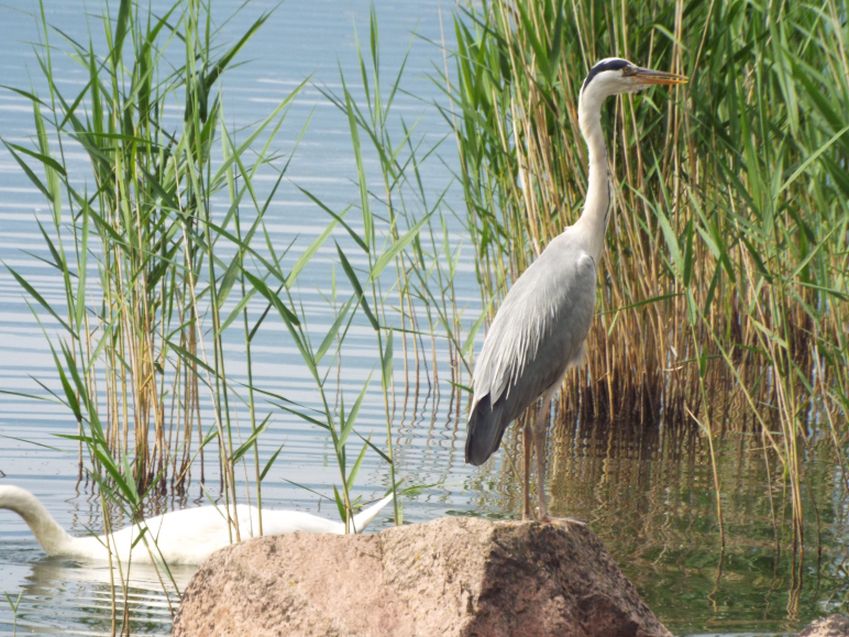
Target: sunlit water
x,y
649,495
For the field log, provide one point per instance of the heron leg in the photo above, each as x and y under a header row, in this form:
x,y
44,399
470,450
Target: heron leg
x,y
540,435
527,432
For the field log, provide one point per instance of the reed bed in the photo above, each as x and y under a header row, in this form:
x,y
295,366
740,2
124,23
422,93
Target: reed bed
x,y
723,298
131,236
160,277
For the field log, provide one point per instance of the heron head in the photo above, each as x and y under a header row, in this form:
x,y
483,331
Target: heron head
x,y
612,76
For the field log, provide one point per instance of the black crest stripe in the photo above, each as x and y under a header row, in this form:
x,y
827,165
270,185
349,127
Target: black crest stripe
x,y
609,65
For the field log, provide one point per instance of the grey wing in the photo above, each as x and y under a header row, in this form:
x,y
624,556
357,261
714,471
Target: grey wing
x,y
537,333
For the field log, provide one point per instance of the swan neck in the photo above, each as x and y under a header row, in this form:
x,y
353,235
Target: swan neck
x,y
52,537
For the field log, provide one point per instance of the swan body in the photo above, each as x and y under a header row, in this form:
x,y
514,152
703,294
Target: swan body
x,y
187,536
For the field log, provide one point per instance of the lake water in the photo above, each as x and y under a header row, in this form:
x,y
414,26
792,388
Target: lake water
x,y
649,494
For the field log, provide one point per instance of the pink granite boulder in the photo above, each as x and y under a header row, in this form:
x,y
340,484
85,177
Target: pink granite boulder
x,y
452,576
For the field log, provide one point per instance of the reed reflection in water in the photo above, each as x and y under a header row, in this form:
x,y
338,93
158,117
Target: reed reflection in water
x,y
650,496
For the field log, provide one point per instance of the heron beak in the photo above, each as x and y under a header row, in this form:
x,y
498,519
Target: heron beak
x,y
648,76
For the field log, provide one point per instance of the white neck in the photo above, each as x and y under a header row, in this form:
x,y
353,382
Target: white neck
x,y
52,537
593,220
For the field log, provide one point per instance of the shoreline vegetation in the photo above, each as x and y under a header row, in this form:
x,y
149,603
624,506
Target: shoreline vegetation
x,y
158,275
722,308
160,279
724,300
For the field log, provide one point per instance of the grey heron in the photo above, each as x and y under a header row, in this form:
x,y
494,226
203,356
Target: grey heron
x,y
541,327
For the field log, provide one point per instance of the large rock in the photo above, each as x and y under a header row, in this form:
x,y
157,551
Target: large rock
x,y
453,576
831,626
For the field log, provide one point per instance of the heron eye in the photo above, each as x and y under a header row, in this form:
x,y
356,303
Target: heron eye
x,y
628,70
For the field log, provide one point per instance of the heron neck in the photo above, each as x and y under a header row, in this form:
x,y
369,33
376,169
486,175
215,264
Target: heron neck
x,y
595,215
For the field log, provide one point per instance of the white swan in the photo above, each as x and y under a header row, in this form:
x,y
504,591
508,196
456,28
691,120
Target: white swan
x,y
187,536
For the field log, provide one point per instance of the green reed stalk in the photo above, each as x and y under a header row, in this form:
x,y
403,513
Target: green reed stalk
x,y
398,230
